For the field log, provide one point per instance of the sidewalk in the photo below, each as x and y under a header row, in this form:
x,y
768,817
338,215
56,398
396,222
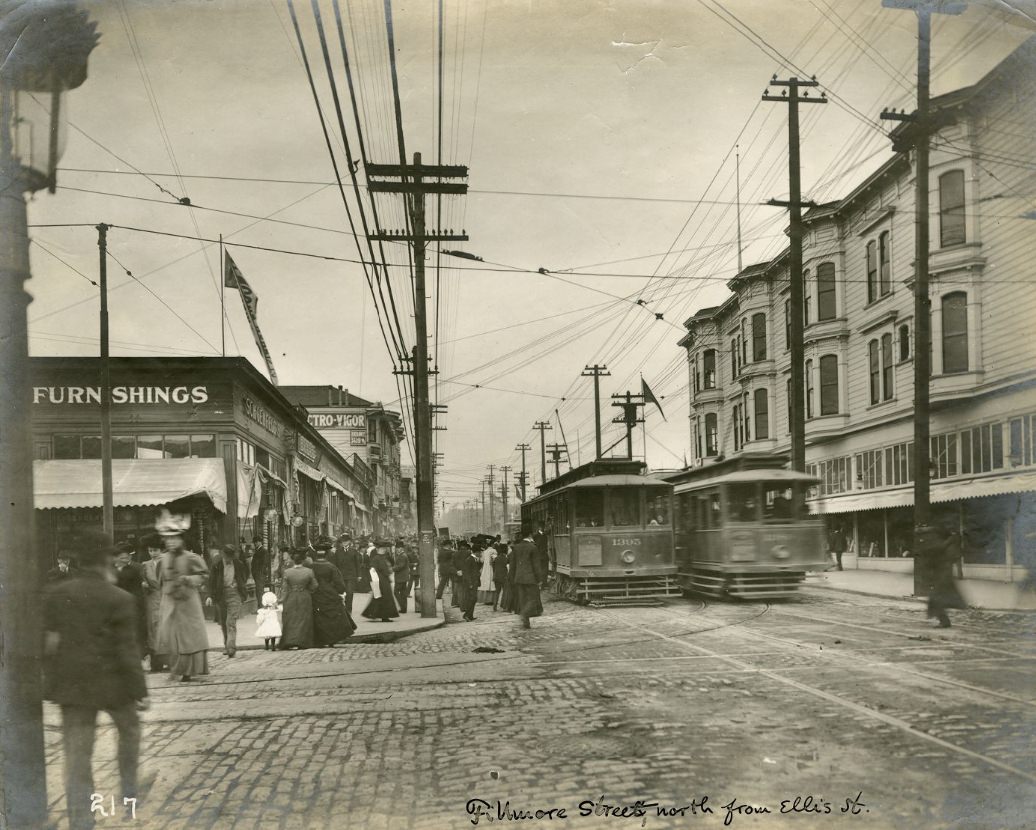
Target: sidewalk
x,y
366,631
978,593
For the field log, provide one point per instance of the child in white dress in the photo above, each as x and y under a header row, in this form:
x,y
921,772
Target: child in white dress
x,y
268,622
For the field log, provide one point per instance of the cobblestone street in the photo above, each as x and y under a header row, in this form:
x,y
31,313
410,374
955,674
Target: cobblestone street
x,y
850,703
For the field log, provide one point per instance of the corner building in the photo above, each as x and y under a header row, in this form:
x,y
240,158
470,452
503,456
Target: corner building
x,y
858,269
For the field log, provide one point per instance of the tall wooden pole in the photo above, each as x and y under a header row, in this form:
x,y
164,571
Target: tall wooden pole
x,y
523,447
597,372
107,499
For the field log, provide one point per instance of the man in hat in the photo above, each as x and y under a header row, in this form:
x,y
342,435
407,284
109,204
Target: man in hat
x,y
92,664
64,570
527,578
470,570
130,577
349,562
227,580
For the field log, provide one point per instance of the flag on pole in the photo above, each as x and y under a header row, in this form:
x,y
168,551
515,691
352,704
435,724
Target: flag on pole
x,y
649,397
233,278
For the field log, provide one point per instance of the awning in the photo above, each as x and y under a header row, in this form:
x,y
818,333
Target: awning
x,y
341,488
942,491
310,472
361,506
135,482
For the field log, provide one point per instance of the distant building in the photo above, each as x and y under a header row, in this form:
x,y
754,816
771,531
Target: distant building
x,y
858,255
208,436
365,433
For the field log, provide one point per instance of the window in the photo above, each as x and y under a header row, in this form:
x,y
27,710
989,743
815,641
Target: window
x,y
904,343
951,209
809,388
372,431
709,368
204,446
695,375
711,434
787,324
735,417
887,375
875,374
66,446
884,268
697,439
829,385
787,387
658,507
149,446
733,360
826,306
779,503
124,446
758,337
742,502
624,503
943,454
91,447
743,340
177,446
872,271
955,332
762,414
590,509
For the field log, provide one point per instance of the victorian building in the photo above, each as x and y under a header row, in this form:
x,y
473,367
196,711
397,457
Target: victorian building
x,y
858,255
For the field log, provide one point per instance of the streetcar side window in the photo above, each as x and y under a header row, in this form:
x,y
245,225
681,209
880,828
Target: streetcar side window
x,y
778,503
714,514
624,504
687,507
590,509
743,503
657,508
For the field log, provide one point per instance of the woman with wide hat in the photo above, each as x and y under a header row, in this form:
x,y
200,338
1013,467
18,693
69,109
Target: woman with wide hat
x,y
382,605
331,622
181,621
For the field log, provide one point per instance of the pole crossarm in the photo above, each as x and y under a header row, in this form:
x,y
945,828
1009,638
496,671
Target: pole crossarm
x,y
436,171
399,236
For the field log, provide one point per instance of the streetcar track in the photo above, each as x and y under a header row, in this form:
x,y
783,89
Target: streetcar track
x,y
890,720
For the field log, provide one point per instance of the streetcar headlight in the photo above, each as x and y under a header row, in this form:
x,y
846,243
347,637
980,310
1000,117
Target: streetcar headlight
x,y
781,552
628,556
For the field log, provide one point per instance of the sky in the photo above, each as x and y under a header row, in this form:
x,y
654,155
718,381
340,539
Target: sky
x,y
605,143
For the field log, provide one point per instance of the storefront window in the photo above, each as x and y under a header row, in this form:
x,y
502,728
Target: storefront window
x,y
625,507
1024,533
742,501
91,446
984,541
871,528
203,446
149,446
900,531
590,509
177,446
124,446
658,508
66,446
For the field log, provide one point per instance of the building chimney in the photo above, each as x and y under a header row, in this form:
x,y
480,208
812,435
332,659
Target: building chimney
x,y
329,388
339,394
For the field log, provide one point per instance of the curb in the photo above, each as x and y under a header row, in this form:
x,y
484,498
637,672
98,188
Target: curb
x,y
906,598
377,637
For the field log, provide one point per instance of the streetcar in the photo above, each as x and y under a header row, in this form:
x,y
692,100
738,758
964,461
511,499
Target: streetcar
x,y
609,533
742,529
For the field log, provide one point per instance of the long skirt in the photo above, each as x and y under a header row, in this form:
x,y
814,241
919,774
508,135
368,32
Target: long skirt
x,y
383,607
182,634
508,597
297,620
331,622
529,603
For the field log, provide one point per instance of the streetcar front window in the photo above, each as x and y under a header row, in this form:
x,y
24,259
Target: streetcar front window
x,y
590,509
742,502
779,503
657,508
625,507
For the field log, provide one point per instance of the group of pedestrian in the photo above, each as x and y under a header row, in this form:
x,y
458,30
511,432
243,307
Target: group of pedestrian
x,y
489,571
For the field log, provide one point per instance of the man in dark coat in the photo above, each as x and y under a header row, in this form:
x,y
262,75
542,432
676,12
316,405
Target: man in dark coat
x,y
92,664
471,575
837,545
445,569
130,577
527,578
401,574
349,561
65,568
938,551
228,578
539,538
259,567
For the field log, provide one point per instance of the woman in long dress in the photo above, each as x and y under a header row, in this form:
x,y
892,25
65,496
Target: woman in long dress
x,y
382,605
153,593
181,621
331,621
486,594
297,587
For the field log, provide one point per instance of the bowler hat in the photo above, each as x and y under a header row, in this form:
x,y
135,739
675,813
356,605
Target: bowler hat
x,y
323,543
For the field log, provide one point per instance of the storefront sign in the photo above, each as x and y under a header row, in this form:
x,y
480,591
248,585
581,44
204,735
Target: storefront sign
x,y
357,439
339,420
307,449
261,416
121,394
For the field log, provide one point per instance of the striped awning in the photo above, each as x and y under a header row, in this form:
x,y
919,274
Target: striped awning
x,y
135,482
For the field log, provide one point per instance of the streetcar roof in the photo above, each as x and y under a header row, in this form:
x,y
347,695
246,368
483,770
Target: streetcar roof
x,y
749,477
619,481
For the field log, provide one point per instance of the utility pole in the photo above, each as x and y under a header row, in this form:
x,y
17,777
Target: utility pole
x,y
542,426
492,520
414,183
507,516
630,417
555,456
795,205
917,135
523,448
482,524
107,500
596,372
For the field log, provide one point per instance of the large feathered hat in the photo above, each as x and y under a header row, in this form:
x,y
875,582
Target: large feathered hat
x,y
171,524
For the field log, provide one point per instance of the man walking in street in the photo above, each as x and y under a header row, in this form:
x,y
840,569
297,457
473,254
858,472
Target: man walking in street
x,y
470,575
837,545
92,664
527,578
539,538
445,569
349,562
227,581
401,575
